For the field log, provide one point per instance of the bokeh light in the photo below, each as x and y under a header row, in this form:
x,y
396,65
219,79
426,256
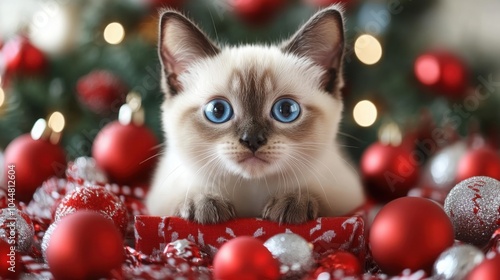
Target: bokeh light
x,y
365,113
56,122
427,69
368,49
114,33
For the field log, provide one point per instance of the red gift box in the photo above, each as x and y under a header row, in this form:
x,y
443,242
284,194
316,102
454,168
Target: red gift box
x,y
153,233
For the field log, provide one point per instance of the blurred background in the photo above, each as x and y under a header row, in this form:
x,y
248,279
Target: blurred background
x,y
420,74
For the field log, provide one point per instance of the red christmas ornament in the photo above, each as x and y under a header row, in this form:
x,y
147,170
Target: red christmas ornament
x,y
84,245
389,171
34,161
489,269
409,232
443,73
245,258
257,11
101,91
483,161
126,152
339,261
10,261
94,198
21,57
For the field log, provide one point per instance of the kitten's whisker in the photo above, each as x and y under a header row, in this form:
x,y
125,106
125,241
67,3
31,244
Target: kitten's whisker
x,y
351,136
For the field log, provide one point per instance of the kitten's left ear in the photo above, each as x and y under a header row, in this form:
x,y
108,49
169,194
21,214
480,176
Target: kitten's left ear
x,y
321,39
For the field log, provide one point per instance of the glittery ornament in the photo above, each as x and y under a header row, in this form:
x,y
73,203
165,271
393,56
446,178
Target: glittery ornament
x,y
187,250
245,257
46,198
85,169
292,251
472,206
94,198
489,269
456,262
16,229
46,239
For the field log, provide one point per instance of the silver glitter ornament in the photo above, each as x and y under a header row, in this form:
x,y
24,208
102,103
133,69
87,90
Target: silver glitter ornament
x,y
472,206
86,169
46,239
16,229
456,262
293,252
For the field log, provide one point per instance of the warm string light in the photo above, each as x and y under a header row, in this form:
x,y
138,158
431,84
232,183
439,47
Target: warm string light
x,y
390,134
368,49
114,33
365,113
56,122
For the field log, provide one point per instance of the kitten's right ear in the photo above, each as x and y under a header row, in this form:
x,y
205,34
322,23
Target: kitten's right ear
x,y
180,44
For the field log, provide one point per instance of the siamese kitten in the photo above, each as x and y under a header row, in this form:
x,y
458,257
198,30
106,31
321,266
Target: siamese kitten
x,y
251,130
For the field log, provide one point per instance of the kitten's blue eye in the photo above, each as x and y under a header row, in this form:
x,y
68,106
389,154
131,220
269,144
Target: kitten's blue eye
x,y
286,110
218,111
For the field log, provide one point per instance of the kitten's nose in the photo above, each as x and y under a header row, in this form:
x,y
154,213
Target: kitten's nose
x,y
253,141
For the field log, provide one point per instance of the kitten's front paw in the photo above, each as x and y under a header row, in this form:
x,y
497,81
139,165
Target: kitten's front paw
x,y
207,210
291,208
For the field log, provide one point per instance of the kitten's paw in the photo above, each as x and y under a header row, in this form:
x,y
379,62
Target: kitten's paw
x,y
207,210
291,208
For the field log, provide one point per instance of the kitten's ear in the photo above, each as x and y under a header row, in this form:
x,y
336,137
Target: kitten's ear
x,y
321,39
181,43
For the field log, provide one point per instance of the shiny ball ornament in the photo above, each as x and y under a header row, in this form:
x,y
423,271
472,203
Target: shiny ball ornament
x,y
97,199
16,228
245,258
441,171
489,269
84,245
442,72
293,252
483,161
101,91
340,263
35,161
22,58
257,12
85,169
388,171
456,262
126,152
409,232
46,239
472,206
10,261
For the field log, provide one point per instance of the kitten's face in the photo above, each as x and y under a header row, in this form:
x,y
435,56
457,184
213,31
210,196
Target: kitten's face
x,y
251,111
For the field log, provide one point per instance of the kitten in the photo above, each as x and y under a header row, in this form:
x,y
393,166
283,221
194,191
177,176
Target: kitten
x,y
251,130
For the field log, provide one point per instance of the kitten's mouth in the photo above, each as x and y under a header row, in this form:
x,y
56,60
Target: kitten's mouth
x,y
252,159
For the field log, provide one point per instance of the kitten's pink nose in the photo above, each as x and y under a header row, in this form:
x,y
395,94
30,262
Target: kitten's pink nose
x,y
253,141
